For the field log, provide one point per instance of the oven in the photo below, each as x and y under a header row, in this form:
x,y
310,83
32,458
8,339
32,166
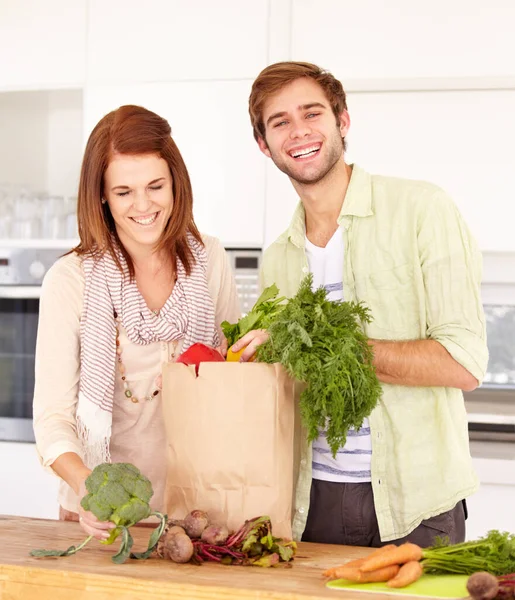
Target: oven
x,y
21,273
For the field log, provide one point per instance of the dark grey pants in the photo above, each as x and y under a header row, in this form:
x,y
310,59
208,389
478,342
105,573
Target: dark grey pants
x,y
344,513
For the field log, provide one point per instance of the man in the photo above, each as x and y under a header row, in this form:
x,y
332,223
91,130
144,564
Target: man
x,y
401,247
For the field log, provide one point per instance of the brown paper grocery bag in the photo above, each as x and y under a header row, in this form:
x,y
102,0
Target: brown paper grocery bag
x,y
230,442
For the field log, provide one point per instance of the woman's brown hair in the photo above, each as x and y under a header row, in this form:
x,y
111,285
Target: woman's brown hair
x,y
274,77
132,130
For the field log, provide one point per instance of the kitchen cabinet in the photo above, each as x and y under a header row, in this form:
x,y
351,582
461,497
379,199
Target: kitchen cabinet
x,y
211,127
439,137
52,121
406,44
432,136
176,40
27,489
43,44
492,506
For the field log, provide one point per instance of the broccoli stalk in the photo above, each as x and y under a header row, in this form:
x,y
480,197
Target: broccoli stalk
x,y
119,493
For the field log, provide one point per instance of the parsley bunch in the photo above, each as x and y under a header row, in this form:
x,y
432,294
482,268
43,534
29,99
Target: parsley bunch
x,y
322,344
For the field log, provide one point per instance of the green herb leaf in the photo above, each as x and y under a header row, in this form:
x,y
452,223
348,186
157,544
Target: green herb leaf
x,y
263,312
268,293
267,560
285,551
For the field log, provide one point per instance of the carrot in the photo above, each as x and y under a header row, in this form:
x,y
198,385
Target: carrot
x,y
396,556
357,562
354,574
378,551
353,563
408,573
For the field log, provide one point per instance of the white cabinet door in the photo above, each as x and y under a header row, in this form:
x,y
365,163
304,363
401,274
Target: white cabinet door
x,y
27,489
492,506
361,40
211,127
461,141
42,44
131,41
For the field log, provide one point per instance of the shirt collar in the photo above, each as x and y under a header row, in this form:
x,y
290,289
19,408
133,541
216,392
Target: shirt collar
x,y
357,203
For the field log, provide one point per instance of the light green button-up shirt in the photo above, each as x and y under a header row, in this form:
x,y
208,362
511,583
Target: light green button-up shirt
x,y
410,257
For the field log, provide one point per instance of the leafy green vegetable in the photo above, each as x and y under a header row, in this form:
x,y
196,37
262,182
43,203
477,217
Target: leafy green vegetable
x,y
322,344
266,308
119,493
253,544
494,553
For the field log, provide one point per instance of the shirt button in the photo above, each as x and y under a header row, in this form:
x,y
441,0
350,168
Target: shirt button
x,y
305,269
164,347
303,462
302,510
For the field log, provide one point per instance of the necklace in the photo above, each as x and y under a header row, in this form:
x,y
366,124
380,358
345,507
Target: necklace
x,y
128,394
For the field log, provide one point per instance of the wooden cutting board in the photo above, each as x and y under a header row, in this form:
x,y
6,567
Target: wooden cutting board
x,y
90,574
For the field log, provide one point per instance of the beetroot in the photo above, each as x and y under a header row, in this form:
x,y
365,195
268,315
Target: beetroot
x,y
178,547
482,586
195,523
215,535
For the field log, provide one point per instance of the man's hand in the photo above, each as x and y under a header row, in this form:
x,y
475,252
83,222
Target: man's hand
x,y
250,341
222,348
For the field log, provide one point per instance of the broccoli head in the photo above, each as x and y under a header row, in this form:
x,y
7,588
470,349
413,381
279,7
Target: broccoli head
x,y
119,493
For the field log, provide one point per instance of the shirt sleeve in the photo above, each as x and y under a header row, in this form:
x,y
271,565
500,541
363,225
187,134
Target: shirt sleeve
x,y
221,283
57,363
452,270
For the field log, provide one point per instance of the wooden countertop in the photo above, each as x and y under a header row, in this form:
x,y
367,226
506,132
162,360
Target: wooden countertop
x,y
90,574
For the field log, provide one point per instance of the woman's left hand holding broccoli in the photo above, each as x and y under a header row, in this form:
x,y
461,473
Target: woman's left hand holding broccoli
x,y
91,525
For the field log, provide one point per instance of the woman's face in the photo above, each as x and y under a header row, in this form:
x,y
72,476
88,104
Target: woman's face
x,y
138,190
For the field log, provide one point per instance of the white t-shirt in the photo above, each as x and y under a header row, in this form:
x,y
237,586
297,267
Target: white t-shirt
x,y
352,463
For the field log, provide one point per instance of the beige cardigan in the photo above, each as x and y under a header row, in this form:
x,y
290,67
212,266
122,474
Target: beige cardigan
x,y
138,434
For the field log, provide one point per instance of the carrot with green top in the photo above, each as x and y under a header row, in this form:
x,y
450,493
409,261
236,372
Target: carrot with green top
x,y
333,572
357,562
380,550
396,556
356,576
408,573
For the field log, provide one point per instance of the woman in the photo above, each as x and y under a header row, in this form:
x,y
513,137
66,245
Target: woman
x,y
142,286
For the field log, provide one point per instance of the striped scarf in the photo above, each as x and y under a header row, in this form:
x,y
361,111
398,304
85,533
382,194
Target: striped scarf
x,y
188,313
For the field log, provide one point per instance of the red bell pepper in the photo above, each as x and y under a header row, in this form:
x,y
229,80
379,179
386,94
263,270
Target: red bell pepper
x,y
198,353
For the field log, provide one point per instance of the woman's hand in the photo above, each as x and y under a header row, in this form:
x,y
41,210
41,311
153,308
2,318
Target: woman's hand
x,y
250,341
91,525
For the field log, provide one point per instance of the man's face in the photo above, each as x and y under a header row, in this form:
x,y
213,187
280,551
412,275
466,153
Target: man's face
x,y
303,137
